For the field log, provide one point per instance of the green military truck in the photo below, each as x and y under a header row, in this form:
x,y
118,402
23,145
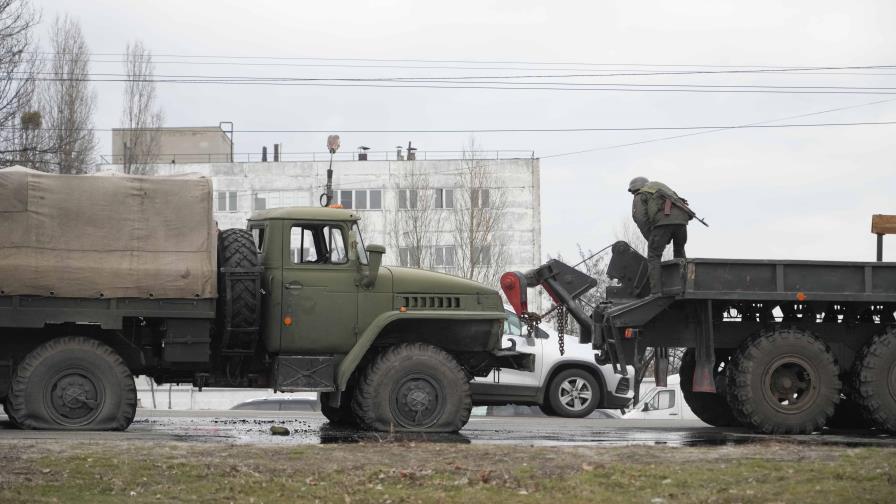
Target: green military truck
x,y
107,277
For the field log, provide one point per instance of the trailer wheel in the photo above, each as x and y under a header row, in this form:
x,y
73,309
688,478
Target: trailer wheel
x,y
573,393
875,380
236,249
72,383
413,387
710,408
783,382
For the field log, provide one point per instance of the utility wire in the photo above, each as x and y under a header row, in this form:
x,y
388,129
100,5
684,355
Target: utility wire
x,y
470,86
716,130
520,130
275,79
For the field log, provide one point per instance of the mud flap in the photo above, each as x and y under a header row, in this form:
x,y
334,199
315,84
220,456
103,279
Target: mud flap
x,y
705,352
661,366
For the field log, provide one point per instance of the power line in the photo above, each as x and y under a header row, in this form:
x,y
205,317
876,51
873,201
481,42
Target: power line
x,y
503,87
716,130
506,130
253,79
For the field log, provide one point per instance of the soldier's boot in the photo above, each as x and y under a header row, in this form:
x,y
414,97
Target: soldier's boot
x,y
656,279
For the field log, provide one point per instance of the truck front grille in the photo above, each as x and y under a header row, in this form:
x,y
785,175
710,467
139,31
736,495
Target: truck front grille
x,y
431,302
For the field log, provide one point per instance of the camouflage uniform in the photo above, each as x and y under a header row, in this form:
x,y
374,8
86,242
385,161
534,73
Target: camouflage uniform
x,y
661,222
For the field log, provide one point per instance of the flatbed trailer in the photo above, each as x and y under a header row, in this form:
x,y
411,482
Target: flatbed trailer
x,y
774,345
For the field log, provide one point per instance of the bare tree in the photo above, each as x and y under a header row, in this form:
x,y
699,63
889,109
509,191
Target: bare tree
x,y
68,100
478,219
18,66
414,228
141,118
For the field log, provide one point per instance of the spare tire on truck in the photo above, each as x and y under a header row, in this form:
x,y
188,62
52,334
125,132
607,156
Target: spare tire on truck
x,y
237,251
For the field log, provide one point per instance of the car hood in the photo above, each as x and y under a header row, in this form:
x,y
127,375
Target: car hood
x,y
417,281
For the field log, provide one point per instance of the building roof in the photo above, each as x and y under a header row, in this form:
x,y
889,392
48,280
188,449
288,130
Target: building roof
x,y
306,213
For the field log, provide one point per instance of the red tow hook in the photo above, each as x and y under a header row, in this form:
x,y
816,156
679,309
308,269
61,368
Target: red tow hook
x,y
513,283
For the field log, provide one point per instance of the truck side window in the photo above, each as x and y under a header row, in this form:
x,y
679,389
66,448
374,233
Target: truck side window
x,y
301,245
317,244
258,236
336,245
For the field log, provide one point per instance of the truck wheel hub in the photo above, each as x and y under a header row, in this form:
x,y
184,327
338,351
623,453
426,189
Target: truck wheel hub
x,y
417,401
74,398
790,384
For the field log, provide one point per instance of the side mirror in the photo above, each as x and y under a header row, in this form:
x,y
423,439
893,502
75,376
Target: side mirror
x,y
374,259
646,407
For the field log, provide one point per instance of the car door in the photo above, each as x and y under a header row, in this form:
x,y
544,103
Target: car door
x,y
320,295
662,405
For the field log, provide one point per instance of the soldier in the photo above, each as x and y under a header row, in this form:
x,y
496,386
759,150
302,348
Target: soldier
x,y
662,216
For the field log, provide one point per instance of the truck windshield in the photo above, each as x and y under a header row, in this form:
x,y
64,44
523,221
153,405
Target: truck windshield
x,y
359,244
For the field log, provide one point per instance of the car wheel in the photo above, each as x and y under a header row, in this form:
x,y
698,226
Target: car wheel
x,y
573,393
546,409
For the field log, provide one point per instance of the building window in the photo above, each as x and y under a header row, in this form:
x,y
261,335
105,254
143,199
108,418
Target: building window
x,y
264,200
362,199
346,199
226,201
407,198
443,256
479,198
409,256
482,255
444,198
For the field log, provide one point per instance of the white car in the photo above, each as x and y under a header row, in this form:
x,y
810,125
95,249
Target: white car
x,y
663,403
571,385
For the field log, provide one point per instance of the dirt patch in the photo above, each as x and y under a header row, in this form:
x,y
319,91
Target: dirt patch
x,y
140,471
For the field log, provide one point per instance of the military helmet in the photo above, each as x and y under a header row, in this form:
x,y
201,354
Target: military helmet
x,y
636,184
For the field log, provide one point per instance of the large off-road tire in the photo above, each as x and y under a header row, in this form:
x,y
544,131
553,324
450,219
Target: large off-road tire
x,y
413,387
72,383
341,415
236,249
783,382
710,408
875,380
573,393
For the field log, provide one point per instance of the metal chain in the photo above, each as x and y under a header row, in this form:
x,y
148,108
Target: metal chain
x,y
561,328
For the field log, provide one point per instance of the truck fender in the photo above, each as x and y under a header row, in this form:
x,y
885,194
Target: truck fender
x,y
353,358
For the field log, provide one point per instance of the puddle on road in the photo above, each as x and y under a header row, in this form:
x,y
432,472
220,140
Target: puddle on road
x,y
314,431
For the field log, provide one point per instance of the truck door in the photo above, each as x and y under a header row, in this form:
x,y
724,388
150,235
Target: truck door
x,y
320,298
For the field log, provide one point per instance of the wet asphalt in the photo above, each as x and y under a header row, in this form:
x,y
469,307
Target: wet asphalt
x,y
249,427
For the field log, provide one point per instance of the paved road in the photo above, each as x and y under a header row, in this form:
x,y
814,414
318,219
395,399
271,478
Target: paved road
x,y
313,428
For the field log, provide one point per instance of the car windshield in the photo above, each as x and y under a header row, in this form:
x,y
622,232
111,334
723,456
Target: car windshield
x,y
359,244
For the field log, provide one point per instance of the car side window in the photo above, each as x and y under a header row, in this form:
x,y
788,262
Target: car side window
x,y
512,324
664,399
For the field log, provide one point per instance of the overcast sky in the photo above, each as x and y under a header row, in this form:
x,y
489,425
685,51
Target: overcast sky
x,y
767,193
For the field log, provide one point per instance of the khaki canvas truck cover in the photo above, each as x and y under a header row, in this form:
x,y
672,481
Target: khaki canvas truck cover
x,y
106,236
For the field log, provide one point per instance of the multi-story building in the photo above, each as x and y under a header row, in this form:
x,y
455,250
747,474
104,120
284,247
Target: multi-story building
x,y
469,217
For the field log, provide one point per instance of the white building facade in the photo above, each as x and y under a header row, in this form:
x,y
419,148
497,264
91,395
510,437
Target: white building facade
x,y
437,196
